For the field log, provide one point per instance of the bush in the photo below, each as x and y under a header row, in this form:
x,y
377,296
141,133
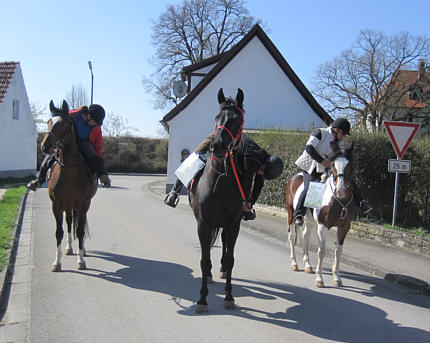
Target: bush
x,y
371,155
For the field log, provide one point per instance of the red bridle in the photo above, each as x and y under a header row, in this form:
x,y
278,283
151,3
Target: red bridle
x,y
239,132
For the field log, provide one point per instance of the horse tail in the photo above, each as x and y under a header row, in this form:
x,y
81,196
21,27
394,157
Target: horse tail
x,y
75,226
214,235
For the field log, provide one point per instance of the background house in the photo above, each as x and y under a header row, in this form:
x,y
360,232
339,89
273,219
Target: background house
x,y
274,96
18,136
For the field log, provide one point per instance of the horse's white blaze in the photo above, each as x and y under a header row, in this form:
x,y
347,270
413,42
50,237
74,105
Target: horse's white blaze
x,y
340,164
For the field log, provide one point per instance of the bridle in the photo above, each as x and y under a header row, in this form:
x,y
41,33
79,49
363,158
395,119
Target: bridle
x,y
59,141
232,146
344,210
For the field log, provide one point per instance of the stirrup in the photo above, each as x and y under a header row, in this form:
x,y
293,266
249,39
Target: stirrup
x,y
172,199
249,215
298,220
33,185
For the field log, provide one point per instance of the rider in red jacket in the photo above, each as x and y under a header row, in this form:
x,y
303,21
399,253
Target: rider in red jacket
x,y
88,122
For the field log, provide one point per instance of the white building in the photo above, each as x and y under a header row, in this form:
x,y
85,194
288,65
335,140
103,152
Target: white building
x,y
274,96
18,136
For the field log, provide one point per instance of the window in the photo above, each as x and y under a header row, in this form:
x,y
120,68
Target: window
x,y
15,114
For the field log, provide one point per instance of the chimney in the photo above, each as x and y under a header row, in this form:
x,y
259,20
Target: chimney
x,y
421,68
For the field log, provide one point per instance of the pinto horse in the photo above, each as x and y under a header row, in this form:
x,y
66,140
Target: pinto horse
x,y
71,185
216,197
338,209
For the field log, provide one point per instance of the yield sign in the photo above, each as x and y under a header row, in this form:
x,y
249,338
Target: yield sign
x,y
401,135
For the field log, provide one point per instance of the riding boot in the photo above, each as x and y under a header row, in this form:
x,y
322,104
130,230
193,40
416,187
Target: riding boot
x,y
299,212
365,207
47,163
249,215
172,198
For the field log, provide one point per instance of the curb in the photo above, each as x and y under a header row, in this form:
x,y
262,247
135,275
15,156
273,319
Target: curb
x,y
11,252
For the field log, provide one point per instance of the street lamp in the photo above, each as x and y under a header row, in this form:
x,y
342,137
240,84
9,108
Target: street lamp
x,y
92,80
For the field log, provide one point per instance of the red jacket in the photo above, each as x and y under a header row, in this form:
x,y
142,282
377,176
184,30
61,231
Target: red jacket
x,y
95,134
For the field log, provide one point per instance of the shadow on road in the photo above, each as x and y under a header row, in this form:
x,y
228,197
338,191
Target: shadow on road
x,y
317,313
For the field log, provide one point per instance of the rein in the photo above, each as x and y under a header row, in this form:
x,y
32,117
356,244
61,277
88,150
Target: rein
x,y
60,146
234,144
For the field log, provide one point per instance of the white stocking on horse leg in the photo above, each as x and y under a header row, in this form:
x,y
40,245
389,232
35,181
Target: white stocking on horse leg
x,y
337,281
69,249
292,239
81,262
306,239
56,266
322,236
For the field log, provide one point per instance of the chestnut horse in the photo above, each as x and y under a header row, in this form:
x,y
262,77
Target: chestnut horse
x,y
338,209
71,185
216,197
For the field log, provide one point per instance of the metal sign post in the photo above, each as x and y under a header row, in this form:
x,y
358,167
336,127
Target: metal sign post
x,y
401,135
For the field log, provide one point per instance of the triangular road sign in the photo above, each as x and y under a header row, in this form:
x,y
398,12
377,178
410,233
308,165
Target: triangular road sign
x,y
401,135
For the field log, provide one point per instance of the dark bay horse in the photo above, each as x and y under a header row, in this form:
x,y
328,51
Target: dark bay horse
x,y
338,209
216,197
71,185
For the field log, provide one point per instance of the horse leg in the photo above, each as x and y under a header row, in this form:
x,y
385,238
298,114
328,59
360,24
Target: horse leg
x,y
306,239
340,237
56,266
69,221
292,236
231,237
82,221
223,270
205,265
322,236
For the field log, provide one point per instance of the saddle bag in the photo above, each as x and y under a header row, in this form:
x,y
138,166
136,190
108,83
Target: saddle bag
x,y
189,168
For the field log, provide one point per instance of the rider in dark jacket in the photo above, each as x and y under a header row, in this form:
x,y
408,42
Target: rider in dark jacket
x,y
257,164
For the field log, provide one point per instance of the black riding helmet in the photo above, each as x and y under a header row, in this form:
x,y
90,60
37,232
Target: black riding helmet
x,y
97,113
274,167
342,124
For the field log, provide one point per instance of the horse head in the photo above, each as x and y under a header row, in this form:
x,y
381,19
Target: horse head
x,y
342,170
228,123
60,129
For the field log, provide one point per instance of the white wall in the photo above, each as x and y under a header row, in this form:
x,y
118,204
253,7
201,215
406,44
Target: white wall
x,y
271,100
18,138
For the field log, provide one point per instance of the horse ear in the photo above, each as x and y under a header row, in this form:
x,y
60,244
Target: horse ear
x,y
52,107
239,98
65,107
221,97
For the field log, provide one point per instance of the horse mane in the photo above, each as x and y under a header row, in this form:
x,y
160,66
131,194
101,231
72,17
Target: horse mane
x,y
341,150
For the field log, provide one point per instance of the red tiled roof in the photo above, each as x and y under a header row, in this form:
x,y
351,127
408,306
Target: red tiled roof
x,y
7,70
405,79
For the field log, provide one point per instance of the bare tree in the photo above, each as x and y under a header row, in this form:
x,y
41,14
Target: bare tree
x,y
77,96
38,114
364,82
191,32
116,126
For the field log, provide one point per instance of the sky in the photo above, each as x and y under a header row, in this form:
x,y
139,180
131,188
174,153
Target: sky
x,y
54,40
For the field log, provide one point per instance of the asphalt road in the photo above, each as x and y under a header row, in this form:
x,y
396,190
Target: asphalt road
x,y
143,279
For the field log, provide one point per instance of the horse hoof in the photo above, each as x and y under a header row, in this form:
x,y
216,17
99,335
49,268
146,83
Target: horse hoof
x,y
223,275
56,268
319,284
309,270
82,266
337,283
229,304
210,280
69,251
295,267
200,309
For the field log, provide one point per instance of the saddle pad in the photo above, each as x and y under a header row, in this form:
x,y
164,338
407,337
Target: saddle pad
x,y
315,195
189,168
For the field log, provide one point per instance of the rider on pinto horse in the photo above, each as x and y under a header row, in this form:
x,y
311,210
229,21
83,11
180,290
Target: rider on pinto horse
x,y
313,163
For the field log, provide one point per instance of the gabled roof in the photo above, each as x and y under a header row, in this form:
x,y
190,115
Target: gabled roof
x,y
7,70
408,79
225,58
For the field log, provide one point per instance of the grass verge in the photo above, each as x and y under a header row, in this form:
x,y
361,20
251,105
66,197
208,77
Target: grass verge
x,y
413,231
8,213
